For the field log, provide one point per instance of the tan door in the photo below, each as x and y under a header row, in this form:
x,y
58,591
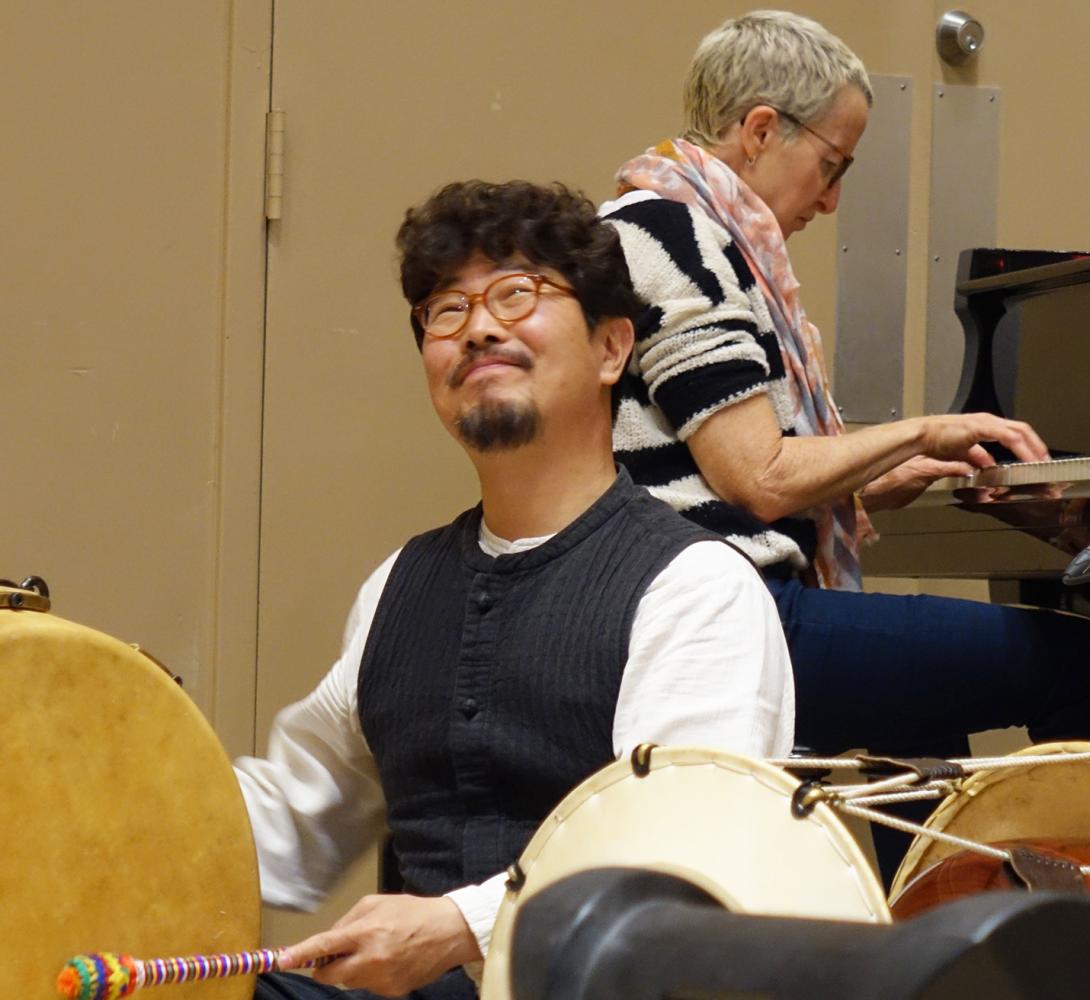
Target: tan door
x,y
131,294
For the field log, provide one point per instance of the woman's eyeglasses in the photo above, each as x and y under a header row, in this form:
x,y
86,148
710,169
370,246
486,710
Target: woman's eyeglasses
x,y
835,173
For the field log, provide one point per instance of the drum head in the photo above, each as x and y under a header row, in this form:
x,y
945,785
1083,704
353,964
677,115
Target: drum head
x,y
124,827
717,819
1050,801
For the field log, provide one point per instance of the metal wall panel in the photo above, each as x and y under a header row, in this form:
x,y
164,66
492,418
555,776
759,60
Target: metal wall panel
x,y
871,277
964,195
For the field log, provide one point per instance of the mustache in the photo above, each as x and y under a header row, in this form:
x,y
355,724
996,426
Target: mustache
x,y
507,355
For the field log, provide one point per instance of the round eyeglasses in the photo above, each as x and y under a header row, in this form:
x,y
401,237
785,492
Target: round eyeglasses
x,y
509,298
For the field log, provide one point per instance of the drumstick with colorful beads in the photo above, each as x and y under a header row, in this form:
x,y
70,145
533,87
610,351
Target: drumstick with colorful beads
x,y
105,976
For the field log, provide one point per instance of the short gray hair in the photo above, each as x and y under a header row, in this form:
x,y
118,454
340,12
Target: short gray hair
x,y
766,57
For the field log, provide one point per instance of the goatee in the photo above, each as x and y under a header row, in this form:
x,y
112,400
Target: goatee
x,y
497,425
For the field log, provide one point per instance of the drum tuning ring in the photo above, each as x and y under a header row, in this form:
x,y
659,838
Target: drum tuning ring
x,y
516,877
806,796
30,595
37,584
641,759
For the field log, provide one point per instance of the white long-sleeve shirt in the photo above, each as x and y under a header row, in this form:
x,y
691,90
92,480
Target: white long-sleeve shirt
x,y
707,666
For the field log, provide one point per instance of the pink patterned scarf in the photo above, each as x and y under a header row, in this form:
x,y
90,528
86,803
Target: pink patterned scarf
x,y
681,171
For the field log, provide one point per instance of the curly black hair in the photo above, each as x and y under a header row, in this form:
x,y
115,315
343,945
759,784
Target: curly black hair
x,y
549,225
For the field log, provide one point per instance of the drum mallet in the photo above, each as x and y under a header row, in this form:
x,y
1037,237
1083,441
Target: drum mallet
x,y
106,976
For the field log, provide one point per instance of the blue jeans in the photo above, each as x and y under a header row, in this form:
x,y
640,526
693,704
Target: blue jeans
x,y
913,676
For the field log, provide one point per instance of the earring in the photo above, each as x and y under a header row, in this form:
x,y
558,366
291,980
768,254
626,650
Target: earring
x,y
750,160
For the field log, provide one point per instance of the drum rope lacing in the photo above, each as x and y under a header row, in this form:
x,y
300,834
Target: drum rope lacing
x,y
968,764
857,800
905,826
936,791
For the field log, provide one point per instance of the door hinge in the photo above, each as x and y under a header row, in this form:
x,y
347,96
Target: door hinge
x,y
274,163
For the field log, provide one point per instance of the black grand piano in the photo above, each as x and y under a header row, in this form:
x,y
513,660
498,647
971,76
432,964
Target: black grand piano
x,y
1026,318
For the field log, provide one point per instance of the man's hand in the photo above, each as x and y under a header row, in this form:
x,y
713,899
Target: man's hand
x,y
391,944
957,437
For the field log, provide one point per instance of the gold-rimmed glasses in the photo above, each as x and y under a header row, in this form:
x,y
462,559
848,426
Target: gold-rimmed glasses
x,y
509,298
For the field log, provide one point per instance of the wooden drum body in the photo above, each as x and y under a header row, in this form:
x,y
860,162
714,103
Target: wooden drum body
x,y
1046,808
123,828
719,820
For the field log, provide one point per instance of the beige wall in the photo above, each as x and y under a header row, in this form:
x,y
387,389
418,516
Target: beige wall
x,y
208,457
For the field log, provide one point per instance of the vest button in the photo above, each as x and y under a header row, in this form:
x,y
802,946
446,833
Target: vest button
x,y
484,601
469,707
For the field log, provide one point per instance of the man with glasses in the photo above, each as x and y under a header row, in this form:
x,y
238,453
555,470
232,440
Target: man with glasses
x,y
492,665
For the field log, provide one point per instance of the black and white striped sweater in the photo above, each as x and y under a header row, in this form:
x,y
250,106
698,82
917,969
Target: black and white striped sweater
x,y
705,341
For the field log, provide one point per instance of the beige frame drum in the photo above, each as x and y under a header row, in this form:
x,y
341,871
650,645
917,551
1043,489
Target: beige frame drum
x,y
124,827
718,819
1048,801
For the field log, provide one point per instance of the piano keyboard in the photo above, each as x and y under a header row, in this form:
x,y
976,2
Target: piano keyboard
x,y
1038,518
1061,470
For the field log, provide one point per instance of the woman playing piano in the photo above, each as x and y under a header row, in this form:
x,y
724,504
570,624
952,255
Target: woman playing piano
x,y
726,412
